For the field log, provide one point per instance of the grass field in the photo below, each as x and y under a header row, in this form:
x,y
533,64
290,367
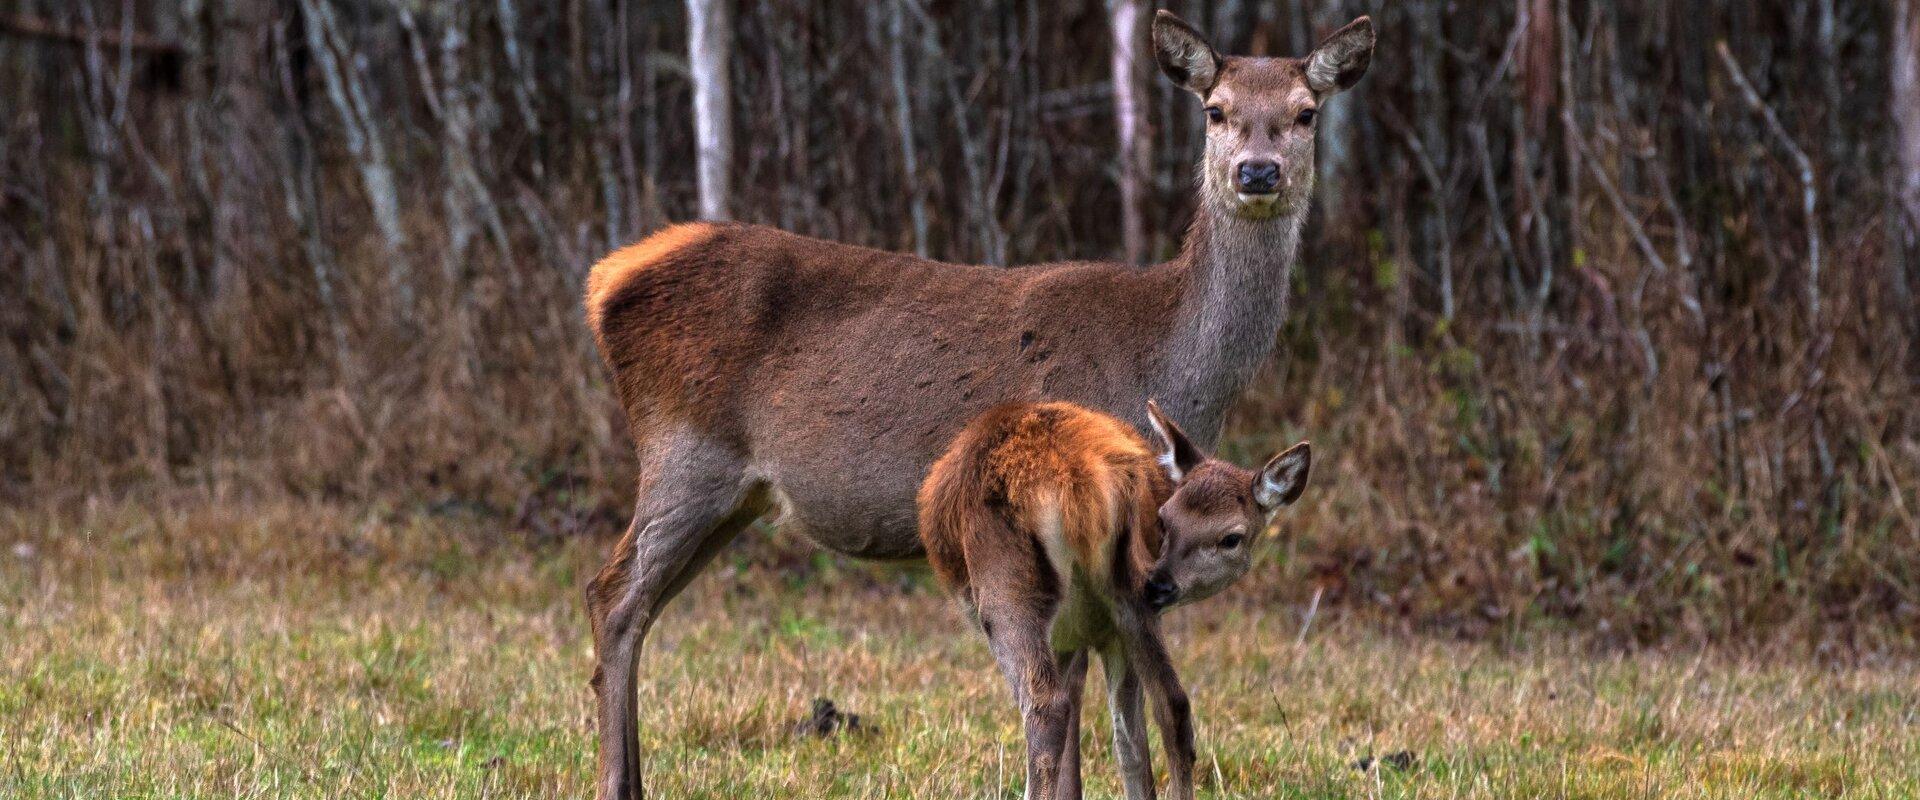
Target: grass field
x,y
293,651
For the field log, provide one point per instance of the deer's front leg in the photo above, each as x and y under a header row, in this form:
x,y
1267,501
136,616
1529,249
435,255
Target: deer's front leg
x,y
1148,653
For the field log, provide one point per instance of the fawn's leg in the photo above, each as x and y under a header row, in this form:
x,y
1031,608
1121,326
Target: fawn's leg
x,y
693,500
1073,679
1129,722
1016,614
1148,653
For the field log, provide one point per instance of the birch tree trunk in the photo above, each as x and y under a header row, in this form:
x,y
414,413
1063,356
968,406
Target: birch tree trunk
x,y
1130,95
709,53
1334,141
1431,145
522,72
300,182
896,33
362,133
239,107
1906,122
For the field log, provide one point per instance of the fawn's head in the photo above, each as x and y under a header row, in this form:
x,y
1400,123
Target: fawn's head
x,y
1217,514
1260,112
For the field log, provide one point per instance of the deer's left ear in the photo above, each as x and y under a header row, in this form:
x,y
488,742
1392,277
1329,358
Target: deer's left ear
x,y
1178,455
1339,62
1282,480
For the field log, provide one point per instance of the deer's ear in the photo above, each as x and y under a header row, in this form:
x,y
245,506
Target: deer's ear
x,y
1183,54
1284,477
1178,455
1340,61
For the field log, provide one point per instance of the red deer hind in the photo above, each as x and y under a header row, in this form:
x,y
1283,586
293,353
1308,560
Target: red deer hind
x,y
761,369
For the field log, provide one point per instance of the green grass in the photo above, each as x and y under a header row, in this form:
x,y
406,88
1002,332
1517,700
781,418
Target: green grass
x,y
295,651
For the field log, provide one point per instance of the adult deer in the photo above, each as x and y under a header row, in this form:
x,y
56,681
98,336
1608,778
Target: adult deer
x,y
760,369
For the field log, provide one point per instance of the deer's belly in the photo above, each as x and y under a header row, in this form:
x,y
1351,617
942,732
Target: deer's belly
x,y
845,459
858,518
845,429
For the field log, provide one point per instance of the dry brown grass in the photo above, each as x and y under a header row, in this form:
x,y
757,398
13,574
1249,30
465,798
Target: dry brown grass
x,y
185,648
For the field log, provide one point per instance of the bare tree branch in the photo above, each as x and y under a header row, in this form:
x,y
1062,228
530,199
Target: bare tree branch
x,y
29,26
1809,191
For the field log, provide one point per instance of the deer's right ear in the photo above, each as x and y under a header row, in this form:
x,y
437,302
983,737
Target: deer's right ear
x,y
1183,54
1178,455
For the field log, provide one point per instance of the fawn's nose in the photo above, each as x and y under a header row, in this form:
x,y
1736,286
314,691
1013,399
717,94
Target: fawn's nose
x,y
1257,177
1160,593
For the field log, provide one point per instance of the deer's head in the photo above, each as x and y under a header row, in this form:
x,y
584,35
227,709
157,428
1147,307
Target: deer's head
x,y
1213,524
1260,112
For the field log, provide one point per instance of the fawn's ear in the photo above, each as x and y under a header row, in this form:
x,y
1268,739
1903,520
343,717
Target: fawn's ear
x,y
1339,62
1178,455
1284,477
1183,54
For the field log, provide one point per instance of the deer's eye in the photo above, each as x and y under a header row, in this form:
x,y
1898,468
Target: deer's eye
x,y
1232,540
1306,116
1216,114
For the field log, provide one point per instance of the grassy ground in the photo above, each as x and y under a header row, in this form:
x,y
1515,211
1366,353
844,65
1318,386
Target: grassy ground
x,y
291,651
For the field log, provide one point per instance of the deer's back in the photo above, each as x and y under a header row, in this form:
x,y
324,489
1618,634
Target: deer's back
x,y
840,372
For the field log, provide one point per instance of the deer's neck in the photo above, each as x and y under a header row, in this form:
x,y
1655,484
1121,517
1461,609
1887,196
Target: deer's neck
x,y
1233,301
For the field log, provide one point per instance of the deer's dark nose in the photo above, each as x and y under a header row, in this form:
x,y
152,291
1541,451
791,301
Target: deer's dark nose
x,y
1258,177
1160,593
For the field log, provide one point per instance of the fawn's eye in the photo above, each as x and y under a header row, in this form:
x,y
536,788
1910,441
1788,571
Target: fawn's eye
x,y
1232,540
1215,114
1306,116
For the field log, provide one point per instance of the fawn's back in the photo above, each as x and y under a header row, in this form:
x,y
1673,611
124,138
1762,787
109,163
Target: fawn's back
x,y
1052,497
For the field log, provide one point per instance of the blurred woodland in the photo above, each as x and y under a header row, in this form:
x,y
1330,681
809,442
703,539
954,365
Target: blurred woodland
x,y
1605,315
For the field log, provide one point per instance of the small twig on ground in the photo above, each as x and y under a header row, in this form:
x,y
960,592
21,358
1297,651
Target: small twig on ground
x,y
305,770
1313,608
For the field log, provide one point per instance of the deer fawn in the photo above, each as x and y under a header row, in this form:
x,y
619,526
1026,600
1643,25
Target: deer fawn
x,y
1062,533
760,369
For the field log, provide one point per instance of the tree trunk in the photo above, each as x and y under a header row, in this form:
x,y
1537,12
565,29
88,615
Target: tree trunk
x,y
709,43
1130,94
1334,141
1906,121
241,115
896,33
363,135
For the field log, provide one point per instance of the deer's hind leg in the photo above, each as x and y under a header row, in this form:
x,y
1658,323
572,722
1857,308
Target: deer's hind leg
x,y
1073,681
693,499
1014,598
